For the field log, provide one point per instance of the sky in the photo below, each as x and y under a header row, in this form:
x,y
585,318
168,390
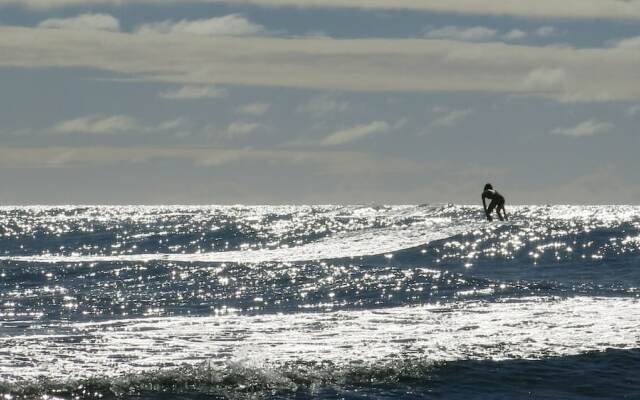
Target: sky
x,y
319,101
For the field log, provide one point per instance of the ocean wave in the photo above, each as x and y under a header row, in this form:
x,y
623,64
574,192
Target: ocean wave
x,y
281,234
554,377
530,328
372,241
591,375
546,345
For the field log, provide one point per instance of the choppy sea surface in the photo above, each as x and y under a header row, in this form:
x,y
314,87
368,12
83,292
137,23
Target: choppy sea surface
x,y
359,302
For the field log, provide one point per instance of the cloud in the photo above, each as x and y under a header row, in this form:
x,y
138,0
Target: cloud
x,y
97,125
485,34
589,127
323,163
323,105
117,124
545,79
192,92
240,129
514,34
334,64
629,43
546,31
180,127
591,9
89,21
633,110
229,25
254,109
475,34
450,118
178,123
604,185
439,109
355,133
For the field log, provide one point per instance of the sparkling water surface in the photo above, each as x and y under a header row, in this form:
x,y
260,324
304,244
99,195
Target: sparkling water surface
x,y
319,301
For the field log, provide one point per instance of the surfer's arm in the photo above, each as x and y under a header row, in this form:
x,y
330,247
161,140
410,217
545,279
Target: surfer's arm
x,y
484,205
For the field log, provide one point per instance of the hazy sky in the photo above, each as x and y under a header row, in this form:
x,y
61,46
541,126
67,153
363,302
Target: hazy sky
x,y
319,101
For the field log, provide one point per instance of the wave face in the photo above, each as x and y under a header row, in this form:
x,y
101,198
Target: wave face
x,y
319,301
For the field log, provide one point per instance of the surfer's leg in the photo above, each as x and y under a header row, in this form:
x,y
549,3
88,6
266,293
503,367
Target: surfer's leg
x,y
500,211
492,205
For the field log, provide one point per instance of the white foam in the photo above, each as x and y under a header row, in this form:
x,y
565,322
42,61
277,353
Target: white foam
x,y
342,245
530,328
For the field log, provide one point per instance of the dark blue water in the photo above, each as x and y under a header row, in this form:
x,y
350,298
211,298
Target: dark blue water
x,y
319,302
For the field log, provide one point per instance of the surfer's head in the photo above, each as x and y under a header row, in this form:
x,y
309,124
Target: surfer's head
x,y
488,186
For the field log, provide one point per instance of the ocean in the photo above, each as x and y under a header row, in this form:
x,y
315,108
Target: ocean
x,y
329,302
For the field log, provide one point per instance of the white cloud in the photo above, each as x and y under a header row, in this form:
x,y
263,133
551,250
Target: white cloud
x,y
97,124
589,127
604,185
633,110
629,43
514,34
485,34
474,34
592,9
191,92
229,25
355,133
399,124
546,31
240,129
450,118
178,123
332,64
180,127
439,109
117,124
323,105
325,162
89,21
545,79
255,109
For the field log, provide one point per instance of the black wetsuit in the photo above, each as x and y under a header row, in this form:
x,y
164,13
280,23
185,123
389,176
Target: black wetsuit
x,y
497,202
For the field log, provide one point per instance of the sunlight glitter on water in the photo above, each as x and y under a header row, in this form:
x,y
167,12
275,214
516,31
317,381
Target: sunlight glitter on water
x,y
107,291
518,328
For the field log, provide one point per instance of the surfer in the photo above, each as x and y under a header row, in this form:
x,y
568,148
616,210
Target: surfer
x,y
497,202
